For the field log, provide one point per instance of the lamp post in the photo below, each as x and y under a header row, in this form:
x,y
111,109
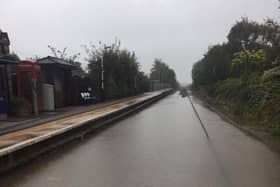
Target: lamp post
x,y
102,74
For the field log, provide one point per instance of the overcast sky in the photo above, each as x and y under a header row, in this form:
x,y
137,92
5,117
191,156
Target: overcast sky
x,y
177,31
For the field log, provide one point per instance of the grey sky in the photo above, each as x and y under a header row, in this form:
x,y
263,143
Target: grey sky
x,y
178,31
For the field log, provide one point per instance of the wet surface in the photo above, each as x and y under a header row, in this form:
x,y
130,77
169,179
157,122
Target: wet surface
x,y
22,138
162,146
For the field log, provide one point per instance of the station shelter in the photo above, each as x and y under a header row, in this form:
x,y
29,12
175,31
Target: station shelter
x,y
58,73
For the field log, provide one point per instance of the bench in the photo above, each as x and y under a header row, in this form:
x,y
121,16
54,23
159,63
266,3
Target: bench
x,y
87,98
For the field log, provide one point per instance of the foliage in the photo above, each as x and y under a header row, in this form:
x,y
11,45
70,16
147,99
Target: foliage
x,y
199,75
271,103
72,59
161,71
122,75
63,54
244,73
272,74
246,34
11,56
34,58
230,89
213,67
246,62
251,47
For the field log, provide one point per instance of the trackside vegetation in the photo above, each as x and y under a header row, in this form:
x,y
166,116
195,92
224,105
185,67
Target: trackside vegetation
x,y
243,74
162,72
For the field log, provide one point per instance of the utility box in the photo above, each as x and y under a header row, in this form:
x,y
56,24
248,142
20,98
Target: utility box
x,y
48,97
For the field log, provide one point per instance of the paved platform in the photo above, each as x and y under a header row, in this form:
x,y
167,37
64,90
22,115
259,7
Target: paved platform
x,y
14,123
22,138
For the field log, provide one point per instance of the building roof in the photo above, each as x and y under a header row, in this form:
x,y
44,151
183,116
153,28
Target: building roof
x,y
4,61
55,61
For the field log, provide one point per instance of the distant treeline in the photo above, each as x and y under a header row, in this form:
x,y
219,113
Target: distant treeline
x,y
161,71
244,73
122,74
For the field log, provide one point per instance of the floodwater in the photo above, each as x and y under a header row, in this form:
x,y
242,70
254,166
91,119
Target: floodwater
x,y
162,146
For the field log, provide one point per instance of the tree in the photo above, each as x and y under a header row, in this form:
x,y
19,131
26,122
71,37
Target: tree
x,y
199,75
71,59
243,74
272,37
245,33
161,72
11,56
246,62
62,54
247,40
213,67
254,36
122,75
217,62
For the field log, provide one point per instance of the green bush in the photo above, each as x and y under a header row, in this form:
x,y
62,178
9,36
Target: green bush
x,y
272,74
229,89
243,74
271,103
258,99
